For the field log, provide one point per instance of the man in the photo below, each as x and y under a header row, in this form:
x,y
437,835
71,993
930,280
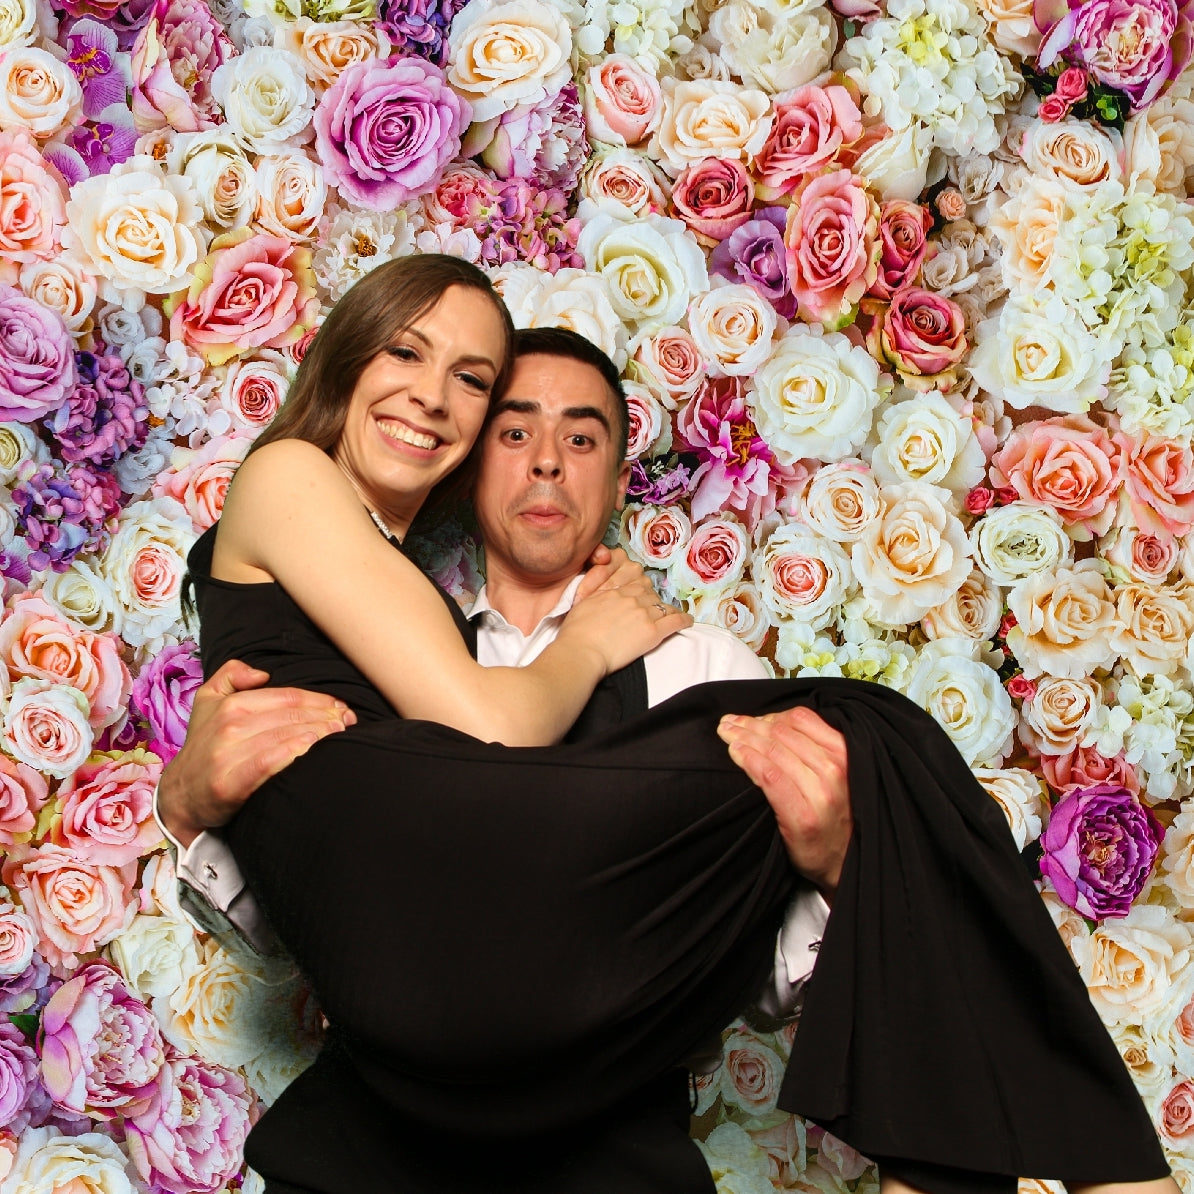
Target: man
x,y
551,472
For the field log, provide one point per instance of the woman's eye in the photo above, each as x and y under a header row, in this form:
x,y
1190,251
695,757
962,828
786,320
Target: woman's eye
x,y
402,353
475,383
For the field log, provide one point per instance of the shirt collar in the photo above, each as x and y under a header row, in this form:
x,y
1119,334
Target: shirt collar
x,y
481,605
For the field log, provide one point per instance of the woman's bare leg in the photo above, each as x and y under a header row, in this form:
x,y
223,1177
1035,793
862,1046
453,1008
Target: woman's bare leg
x,y
1164,1185
893,1185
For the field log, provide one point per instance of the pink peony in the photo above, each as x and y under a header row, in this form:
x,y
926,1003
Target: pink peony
x,y
713,197
32,200
831,239
622,100
903,229
922,335
811,125
1158,480
23,794
199,479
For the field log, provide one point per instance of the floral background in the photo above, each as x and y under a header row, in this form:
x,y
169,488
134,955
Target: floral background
x,y
902,294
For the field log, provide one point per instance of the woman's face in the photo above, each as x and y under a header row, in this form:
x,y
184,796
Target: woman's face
x,y
419,405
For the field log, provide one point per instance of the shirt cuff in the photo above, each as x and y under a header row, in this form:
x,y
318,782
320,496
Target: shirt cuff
x,y
206,865
796,949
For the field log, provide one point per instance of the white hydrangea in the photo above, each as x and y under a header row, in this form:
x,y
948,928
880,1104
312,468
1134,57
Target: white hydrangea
x,y
648,30
1160,738
1152,387
801,651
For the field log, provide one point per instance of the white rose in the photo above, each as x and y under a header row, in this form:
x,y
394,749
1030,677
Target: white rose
x,y
925,439
816,396
47,1162
220,172
154,953
651,265
1153,627
654,535
966,697
913,557
1055,720
252,392
1065,621
82,594
503,53
1177,859
18,23
771,48
266,98
801,576
1027,225
1040,354
18,443
325,48
137,227
1159,145
734,326
1150,1060
751,1073
291,195
738,1165
897,166
1139,970
1019,540
1021,796
738,609
37,92
670,362
1071,151
841,500
46,726
625,181
650,429
973,612
63,286
705,118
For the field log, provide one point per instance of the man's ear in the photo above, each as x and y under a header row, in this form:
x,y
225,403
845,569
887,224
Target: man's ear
x,y
623,481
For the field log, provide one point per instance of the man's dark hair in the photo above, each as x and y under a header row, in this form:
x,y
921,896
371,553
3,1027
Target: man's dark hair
x,y
563,342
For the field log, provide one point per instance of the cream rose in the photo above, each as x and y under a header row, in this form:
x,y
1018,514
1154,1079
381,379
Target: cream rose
x,y
925,439
18,443
47,1162
1013,28
1153,627
1065,621
841,500
751,1072
707,118
291,195
1159,145
18,23
671,362
1021,796
266,98
896,167
626,182
325,48
1027,225
966,697
63,286
37,92
1149,1059
82,594
220,172
816,396
136,227
1071,151
1177,860
733,326
508,52
1019,540
1054,720
154,953
914,556
801,576
973,612
776,47
652,266
654,535
738,609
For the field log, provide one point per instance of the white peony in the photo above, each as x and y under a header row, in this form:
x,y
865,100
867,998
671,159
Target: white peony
x,y
354,242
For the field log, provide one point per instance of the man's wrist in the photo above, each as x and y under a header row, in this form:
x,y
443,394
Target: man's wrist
x,y
178,832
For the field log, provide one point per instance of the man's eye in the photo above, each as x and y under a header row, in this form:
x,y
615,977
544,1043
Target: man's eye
x,y
514,435
580,441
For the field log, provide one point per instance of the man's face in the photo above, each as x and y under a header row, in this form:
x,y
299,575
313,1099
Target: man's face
x,y
550,474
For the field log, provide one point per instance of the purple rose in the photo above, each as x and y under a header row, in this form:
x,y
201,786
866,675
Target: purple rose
x,y
101,1048
189,1140
1136,46
386,129
1099,849
163,693
37,359
754,253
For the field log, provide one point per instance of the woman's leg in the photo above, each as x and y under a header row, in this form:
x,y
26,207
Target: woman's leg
x,y
1165,1185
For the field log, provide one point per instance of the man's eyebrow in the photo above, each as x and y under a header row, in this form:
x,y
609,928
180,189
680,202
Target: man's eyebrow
x,y
528,406
475,359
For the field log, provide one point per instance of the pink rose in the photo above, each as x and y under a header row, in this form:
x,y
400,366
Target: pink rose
x,y
18,939
461,187
252,291
622,100
1083,767
255,392
23,793
646,419
713,197
922,335
199,479
32,200
46,726
1153,558
673,361
654,534
979,500
714,559
1177,1113
1071,85
106,808
1158,479
831,239
1069,464
752,1073
1020,687
36,641
903,227
811,125
1052,109
77,906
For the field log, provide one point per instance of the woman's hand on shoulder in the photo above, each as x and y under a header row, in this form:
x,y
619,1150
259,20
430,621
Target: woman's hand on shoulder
x,y
618,612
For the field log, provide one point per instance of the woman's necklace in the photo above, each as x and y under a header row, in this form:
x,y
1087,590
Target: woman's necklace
x,y
381,526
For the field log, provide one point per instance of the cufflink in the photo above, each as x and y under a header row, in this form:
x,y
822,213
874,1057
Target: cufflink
x,y
210,871
814,947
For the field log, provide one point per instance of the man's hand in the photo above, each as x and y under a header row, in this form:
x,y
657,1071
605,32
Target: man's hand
x,y
239,735
799,761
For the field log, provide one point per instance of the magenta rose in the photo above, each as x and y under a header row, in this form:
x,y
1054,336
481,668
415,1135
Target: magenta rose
x,y
832,248
190,1139
1136,46
252,291
386,128
922,335
163,693
1099,849
811,125
37,358
903,228
713,197
101,1048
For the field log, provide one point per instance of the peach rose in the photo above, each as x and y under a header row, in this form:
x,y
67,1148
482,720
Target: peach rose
x,y
672,362
327,47
23,793
622,100
36,641
63,286
1027,226
37,91
1154,627
1069,464
653,535
1177,1116
811,125
199,479
46,726
291,195
1083,766
706,118
77,906
833,252
1158,477
738,609
1055,717
32,202
841,500
1073,151
18,939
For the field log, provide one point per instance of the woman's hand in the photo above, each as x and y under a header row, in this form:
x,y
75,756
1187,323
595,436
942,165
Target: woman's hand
x,y
617,612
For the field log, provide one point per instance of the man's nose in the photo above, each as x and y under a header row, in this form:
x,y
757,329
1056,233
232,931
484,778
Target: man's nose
x,y
547,463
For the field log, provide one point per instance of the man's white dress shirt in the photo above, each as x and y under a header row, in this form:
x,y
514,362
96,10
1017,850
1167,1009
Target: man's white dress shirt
x,y
689,657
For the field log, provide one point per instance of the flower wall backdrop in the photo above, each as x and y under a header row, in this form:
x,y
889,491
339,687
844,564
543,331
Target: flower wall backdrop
x,y
902,293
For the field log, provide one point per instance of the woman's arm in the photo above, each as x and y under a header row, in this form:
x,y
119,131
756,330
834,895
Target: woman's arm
x,y
292,516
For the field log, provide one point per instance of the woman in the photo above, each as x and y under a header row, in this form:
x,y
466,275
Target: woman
x,y
626,889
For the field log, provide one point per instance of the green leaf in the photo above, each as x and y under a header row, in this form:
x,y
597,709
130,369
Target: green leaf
x,y
26,1022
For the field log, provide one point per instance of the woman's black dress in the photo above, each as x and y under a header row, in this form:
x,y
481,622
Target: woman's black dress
x,y
517,947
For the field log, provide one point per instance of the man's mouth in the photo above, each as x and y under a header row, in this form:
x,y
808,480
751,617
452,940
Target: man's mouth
x,y
408,435
542,515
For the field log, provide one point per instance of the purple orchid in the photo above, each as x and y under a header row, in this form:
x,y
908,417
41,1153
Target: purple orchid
x,y
91,54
